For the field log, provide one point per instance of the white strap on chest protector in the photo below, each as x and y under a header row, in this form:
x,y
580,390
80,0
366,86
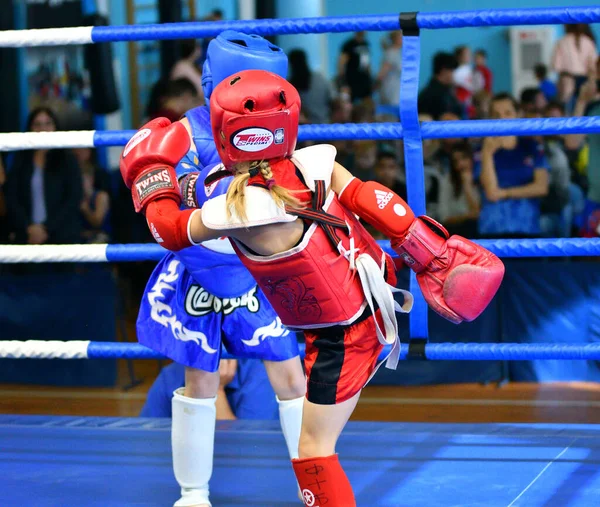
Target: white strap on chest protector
x,y
376,288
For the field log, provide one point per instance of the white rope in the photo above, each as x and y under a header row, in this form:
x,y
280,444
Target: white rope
x,y
13,254
46,37
41,349
37,140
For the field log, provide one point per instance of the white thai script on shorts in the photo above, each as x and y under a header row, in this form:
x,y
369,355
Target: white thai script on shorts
x,y
199,302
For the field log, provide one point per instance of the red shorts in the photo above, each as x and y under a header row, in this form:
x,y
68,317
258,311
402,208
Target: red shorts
x,y
340,359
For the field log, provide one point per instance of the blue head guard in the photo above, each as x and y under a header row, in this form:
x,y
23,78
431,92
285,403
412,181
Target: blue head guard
x,y
232,52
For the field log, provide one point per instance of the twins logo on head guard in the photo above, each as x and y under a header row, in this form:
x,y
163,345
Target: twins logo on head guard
x,y
163,314
253,139
274,330
199,302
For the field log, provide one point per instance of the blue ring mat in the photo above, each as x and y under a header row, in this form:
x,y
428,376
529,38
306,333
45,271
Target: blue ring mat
x,y
110,462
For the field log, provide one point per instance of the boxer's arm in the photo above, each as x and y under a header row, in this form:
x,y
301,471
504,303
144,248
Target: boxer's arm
x,y
175,229
458,278
373,202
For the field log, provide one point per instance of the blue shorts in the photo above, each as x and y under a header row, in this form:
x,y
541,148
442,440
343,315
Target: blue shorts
x,y
182,321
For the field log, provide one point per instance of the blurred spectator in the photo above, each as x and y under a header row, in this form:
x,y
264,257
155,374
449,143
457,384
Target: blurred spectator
x,y
341,112
463,77
438,96
572,145
388,79
437,169
215,15
365,156
354,67
576,53
430,146
315,91
556,215
171,99
442,158
565,89
533,102
389,173
95,205
481,104
546,85
364,111
187,67
482,75
514,176
588,104
556,208
44,190
341,109
459,200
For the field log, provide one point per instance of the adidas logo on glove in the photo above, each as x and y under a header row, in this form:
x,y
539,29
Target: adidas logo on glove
x,y
383,198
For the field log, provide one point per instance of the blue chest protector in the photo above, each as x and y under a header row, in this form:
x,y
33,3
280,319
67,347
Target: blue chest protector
x,y
213,264
205,153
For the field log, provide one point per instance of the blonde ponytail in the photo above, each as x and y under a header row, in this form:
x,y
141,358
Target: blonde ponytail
x,y
236,199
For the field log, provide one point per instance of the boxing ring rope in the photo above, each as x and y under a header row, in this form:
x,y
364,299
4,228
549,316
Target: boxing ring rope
x,y
54,349
410,130
328,132
265,27
506,248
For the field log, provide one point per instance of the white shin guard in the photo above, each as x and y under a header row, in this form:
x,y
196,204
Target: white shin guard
x,y
290,417
192,441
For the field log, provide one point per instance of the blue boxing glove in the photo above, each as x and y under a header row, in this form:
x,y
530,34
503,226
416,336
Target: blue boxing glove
x,y
194,190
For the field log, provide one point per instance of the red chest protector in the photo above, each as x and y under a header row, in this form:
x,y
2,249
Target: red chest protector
x,y
315,284
335,271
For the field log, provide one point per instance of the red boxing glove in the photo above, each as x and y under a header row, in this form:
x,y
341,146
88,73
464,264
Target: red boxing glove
x,y
149,159
458,278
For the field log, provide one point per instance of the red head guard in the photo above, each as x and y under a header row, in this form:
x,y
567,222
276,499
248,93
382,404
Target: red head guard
x,y
254,116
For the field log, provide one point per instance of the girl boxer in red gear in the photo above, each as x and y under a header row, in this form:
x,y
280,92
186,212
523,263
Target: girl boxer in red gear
x,y
291,217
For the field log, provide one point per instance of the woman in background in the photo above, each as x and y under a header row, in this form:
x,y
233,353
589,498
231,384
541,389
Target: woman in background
x,y
95,205
576,53
44,190
388,79
460,203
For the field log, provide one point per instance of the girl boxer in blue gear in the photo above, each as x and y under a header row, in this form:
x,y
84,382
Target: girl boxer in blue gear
x,y
202,297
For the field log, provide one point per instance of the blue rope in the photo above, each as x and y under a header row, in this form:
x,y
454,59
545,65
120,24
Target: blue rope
x,y
508,17
429,130
377,22
201,30
433,351
563,247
